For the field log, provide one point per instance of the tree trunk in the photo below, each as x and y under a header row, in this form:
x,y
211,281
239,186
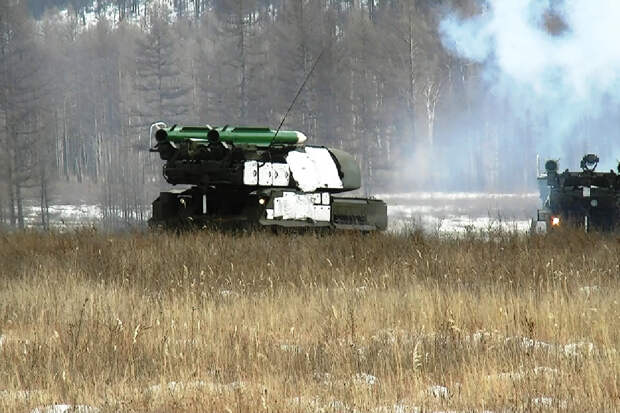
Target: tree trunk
x,y
20,206
12,215
412,85
243,112
43,204
431,94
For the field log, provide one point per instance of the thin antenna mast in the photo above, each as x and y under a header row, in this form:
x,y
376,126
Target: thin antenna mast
x,y
299,91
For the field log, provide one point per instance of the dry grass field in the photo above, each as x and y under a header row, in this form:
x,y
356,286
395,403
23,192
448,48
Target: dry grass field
x,y
221,322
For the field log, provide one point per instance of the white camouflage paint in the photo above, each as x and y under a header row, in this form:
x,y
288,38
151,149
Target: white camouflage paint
x,y
314,169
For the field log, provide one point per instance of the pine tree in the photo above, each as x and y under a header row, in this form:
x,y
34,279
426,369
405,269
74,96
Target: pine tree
x,y
20,105
163,90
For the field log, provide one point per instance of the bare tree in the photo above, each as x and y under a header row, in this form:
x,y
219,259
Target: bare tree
x,y
385,89
163,91
432,92
20,78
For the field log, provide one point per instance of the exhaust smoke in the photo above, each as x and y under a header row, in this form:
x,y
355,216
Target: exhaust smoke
x,y
556,64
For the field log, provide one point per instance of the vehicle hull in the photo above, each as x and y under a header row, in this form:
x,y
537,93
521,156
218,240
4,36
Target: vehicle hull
x,y
240,208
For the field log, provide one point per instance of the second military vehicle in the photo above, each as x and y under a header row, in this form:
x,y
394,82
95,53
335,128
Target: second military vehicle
x,y
240,176
584,198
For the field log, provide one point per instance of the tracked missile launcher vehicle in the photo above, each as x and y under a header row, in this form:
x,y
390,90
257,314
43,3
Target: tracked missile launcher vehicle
x,y
239,177
587,198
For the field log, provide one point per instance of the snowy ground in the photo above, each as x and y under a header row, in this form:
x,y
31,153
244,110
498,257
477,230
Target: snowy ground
x,y
458,212
575,351
64,216
434,212
110,12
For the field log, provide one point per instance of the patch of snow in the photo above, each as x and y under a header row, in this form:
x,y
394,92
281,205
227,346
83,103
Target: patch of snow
x,y
531,344
62,217
92,16
361,290
545,401
65,408
338,406
2,340
179,387
20,394
547,372
64,214
236,385
456,224
397,408
315,404
589,289
323,378
480,336
291,348
448,411
365,378
413,210
509,375
455,195
578,349
186,341
228,294
460,212
391,335
302,400
360,379
174,386
540,227
438,391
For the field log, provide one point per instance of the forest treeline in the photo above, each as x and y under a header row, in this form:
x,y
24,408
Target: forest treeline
x,y
80,87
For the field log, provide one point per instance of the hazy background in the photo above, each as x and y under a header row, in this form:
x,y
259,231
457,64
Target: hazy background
x,y
429,95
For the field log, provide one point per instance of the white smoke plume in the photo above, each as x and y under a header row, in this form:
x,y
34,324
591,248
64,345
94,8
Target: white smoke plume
x,y
567,78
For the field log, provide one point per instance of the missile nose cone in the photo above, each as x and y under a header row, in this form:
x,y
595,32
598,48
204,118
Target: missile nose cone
x,y
301,138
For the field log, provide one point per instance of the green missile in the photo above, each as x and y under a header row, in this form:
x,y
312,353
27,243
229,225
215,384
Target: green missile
x,y
230,135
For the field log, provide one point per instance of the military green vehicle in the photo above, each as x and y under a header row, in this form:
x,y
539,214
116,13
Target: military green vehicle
x,y
241,176
587,198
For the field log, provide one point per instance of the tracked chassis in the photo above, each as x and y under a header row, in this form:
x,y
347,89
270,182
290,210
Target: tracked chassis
x,y
249,177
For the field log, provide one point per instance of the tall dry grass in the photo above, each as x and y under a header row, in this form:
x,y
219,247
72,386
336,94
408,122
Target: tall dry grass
x,y
158,322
